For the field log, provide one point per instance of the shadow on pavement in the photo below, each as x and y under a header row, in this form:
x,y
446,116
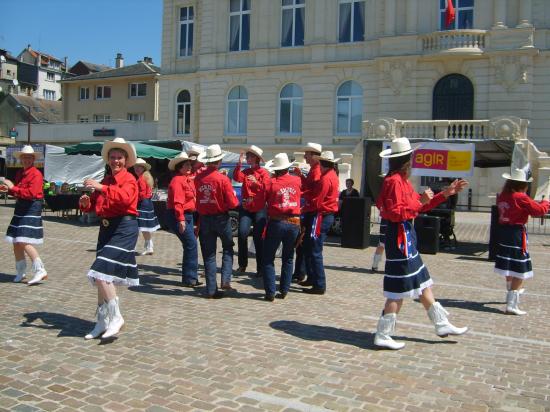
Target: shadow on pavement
x,y
469,305
363,340
160,270
5,278
67,325
154,284
366,270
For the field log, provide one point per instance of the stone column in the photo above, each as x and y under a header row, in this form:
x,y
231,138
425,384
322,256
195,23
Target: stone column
x,y
499,14
412,16
389,17
525,14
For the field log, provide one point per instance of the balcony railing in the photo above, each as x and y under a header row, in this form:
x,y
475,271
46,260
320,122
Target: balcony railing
x,y
458,41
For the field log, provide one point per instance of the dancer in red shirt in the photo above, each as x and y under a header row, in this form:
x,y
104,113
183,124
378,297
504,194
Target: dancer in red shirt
x,y
215,197
25,229
252,210
405,273
147,220
115,202
512,259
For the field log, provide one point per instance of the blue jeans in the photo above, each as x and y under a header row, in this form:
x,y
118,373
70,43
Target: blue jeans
x,y
246,220
190,260
278,232
212,227
314,251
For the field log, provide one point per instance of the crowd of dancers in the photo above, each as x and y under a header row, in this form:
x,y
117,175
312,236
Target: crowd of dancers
x,y
282,206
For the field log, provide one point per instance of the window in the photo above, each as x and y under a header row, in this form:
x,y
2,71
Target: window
x,y
183,113
464,17
239,25
292,30
349,108
138,89
237,111
290,109
103,92
50,77
82,118
102,118
186,31
48,94
84,93
136,117
352,21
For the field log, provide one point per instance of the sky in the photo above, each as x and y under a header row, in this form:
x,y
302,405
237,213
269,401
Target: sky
x,y
89,30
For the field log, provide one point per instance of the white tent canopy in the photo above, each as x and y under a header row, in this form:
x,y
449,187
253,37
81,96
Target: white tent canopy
x,y
72,169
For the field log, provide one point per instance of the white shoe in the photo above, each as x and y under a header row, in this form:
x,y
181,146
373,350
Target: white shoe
x,y
386,326
20,269
39,276
512,303
101,324
443,328
116,321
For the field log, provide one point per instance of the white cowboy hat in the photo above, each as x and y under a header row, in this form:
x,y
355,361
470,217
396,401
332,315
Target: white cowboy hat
x,y
255,150
212,154
119,143
399,147
328,156
194,151
279,162
313,147
182,157
27,150
518,175
142,163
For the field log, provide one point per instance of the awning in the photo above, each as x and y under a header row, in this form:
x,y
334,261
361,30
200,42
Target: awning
x,y
143,150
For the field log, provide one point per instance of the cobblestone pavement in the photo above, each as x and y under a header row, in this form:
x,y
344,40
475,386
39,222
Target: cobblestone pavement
x,y
181,352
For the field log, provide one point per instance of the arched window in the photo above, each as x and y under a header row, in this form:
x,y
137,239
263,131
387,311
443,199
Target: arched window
x,y
349,108
290,109
237,111
453,98
183,113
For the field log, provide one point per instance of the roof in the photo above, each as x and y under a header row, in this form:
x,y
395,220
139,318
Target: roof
x,y
92,67
7,55
138,69
47,111
35,53
143,150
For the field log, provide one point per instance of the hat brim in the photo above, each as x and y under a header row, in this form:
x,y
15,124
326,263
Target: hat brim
x,y
269,166
248,150
37,155
127,147
146,166
203,159
312,150
176,161
388,153
330,160
508,176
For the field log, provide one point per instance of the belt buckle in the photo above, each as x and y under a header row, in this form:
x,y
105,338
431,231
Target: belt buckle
x,y
105,222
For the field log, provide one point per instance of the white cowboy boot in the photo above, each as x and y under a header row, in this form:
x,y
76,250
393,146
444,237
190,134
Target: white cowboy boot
x,y
39,272
385,327
115,319
512,303
438,316
20,269
101,324
148,248
376,261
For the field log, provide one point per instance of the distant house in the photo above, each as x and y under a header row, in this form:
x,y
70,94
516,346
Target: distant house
x,y
8,72
82,68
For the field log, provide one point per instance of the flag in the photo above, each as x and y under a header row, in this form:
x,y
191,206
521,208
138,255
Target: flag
x,y
450,13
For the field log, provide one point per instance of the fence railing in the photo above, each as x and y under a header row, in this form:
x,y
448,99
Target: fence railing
x,y
474,40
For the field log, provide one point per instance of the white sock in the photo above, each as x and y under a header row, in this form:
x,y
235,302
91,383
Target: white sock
x,y
508,285
20,266
376,260
150,244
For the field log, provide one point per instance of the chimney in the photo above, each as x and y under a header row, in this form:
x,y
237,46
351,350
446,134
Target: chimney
x,y
148,60
119,61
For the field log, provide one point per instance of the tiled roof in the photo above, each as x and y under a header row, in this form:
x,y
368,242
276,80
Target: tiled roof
x,y
35,53
132,70
48,111
93,67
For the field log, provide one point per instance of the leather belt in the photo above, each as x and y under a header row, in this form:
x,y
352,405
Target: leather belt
x,y
106,222
293,220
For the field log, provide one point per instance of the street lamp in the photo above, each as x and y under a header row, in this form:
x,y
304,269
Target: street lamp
x,y
28,121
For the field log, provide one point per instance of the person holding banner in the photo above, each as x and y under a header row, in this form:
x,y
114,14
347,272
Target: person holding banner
x,y
405,273
512,259
147,220
25,229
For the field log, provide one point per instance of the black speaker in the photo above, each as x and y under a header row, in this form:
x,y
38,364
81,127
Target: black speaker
x,y
427,233
355,217
493,233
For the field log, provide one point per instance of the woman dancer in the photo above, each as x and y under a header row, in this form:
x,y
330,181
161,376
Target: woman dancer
x,y
512,259
405,273
147,220
25,229
115,201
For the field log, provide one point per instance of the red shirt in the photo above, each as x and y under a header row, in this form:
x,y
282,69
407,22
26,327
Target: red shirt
x,y
215,193
327,191
145,191
283,195
28,184
253,193
118,197
308,187
398,200
182,196
514,208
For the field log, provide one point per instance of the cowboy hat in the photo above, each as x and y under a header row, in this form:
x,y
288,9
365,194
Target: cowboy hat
x,y
518,175
328,156
279,162
119,143
399,147
313,147
27,150
194,151
182,157
142,163
212,154
255,150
